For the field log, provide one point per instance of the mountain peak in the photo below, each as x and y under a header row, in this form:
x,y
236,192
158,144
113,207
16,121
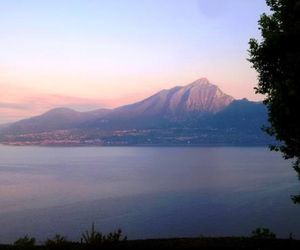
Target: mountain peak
x,y
200,96
60,110
203,96
200,82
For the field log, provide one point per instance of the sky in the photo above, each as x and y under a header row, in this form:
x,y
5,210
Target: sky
x,y
89,54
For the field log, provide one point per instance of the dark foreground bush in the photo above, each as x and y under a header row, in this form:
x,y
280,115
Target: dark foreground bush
x,y
261,238
263,233
95,238
58,242
25,243
203,243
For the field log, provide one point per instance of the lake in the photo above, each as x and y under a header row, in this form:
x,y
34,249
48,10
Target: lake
x,y
147,191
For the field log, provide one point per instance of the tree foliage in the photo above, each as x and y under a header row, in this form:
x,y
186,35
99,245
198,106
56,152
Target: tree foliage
x,y
276,58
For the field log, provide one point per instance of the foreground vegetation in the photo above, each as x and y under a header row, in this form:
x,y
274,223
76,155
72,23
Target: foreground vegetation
x,y
176,243
261,238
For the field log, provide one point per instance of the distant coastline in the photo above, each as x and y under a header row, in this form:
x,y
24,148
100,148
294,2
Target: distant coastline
x,y
140,145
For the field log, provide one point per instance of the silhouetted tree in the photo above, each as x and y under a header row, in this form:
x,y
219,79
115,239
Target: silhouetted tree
x,y
276,58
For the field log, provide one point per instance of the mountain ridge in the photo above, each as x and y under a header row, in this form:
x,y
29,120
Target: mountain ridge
x,y
200,96
199,106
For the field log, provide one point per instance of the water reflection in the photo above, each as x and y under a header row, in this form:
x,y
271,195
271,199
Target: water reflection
x,y
187,190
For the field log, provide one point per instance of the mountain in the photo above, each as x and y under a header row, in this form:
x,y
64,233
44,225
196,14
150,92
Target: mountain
x,y
242,114
55,119
199,98
198,113
4,125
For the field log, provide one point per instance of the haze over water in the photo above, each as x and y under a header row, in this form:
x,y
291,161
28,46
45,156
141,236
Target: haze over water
x,y
147,191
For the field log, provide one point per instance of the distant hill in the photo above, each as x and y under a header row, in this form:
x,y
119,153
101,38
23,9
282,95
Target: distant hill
x,y
196,113
58,118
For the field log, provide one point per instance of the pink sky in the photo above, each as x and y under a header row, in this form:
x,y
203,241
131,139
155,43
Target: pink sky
x,y
21,102
106,54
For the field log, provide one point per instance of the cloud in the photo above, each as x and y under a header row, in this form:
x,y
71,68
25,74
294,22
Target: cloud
x,y
24,107
18,103
45,101
6,105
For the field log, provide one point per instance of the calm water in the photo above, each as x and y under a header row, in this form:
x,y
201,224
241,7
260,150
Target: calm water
x,y
147,191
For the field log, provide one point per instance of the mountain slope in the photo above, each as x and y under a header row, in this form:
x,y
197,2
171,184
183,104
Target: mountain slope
x,y
55,119
242,114
200,96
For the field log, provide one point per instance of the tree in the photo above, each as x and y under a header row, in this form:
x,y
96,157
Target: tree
x,y
276,58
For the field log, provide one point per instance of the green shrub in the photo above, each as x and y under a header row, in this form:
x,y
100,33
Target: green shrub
x,y
263,233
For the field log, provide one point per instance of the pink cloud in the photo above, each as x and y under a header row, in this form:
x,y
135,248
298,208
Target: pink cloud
x,y
19,103
18,107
